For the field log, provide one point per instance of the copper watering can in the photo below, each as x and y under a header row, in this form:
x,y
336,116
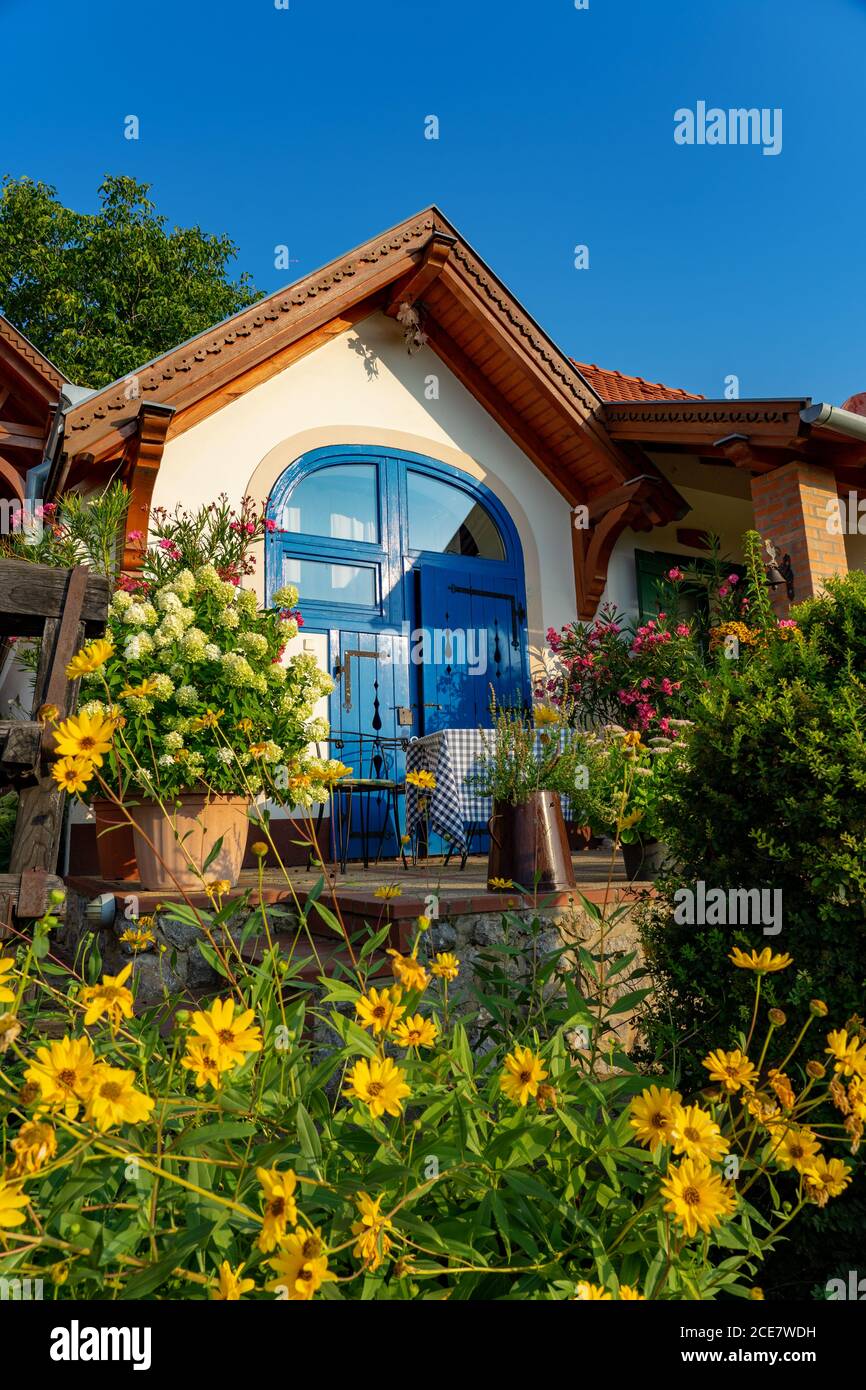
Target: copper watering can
x,y
529,844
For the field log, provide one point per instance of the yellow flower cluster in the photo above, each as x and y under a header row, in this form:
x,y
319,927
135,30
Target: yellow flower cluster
x,y
220,1042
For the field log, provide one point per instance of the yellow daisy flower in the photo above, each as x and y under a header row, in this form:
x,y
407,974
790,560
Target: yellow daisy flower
x,y
301,1266
500,884
7,965
111,998
416,1032
114,1100
12,1199
732,1069
63,1071
379,1011
281,1209
34,1144
90,658
142,691
229,1286
826,1178
72,774
798,1149
230,1038
425,781
545,714
594,1293
84,736
848,1054
137,938
379,1084
628,1294
446,966
209,720
200,1059
764,964
652,1114
373,1244
522,1075
388,891
408,971
695,1133
697,1197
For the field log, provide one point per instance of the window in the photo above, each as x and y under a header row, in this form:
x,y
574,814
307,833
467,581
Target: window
x,y
340,501
319,581
448,521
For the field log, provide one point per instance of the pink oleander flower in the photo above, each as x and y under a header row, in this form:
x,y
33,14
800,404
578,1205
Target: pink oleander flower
x,y
724,590
733,579
135,536
675,575
683,630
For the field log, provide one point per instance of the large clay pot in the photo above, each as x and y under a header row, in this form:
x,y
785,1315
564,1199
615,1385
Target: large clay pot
x,y
529,844
187,831
115,843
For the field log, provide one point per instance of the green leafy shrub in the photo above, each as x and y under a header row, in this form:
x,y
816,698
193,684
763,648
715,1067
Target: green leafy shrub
x,y
772,795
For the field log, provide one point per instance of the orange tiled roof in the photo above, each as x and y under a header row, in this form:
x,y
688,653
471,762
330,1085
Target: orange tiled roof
x,y
616,386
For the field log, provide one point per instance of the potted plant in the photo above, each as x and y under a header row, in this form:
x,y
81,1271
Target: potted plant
x,y
635,799
526,768
207,715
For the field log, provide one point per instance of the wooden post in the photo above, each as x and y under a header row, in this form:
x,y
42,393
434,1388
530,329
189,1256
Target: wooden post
x,y
39,824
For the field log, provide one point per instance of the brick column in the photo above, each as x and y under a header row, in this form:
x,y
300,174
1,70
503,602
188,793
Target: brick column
x,y
791,511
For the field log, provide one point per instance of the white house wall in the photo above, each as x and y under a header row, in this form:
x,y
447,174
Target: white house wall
x,y
363,387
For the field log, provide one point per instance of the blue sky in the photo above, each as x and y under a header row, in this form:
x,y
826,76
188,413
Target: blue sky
x,y
306,126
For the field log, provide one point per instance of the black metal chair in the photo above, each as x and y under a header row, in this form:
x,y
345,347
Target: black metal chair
x,y
373,759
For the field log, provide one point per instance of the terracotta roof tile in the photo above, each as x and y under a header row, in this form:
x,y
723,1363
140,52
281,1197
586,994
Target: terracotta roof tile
x,y
616,386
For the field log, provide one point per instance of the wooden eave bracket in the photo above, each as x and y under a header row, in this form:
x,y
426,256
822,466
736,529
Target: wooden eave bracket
x,y
437,253
154,419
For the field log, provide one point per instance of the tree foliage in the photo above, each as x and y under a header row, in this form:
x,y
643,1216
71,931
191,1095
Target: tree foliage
x,y
101,293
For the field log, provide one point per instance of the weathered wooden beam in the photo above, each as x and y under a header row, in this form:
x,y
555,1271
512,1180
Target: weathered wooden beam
x,y
31,593
20,749
16,435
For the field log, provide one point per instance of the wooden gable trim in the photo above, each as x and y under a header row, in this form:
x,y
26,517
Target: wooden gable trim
x,y
226,392
412,288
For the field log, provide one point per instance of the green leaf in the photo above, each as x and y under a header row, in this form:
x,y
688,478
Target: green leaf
x,y
308,1135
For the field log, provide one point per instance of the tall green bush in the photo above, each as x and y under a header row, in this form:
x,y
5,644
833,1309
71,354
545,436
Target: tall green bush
x,y
773,795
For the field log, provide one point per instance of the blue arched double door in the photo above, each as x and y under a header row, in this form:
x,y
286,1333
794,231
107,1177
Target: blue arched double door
x,y
414,574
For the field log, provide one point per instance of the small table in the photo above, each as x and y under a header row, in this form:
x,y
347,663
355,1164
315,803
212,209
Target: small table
x,y
453,807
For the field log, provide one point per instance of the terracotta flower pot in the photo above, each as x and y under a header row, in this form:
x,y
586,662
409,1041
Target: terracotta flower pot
x,y
115,843
529,844
184,836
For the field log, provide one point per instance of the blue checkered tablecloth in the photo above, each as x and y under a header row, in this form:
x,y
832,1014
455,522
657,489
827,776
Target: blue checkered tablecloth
x,y
453,806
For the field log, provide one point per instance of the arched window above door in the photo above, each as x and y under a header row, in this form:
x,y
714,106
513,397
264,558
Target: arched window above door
x,y
446,520
340,501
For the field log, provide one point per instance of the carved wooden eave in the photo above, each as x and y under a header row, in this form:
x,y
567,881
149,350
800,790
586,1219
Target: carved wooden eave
x,y
145,457
640,504
472,322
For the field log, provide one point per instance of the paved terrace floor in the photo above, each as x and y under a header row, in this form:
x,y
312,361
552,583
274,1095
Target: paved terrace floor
x,y
459,890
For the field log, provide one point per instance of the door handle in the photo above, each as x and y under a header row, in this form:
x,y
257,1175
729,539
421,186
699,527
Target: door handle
x,y
347,671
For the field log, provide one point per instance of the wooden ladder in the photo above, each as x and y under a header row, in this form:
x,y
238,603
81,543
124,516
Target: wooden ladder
x,y
64,608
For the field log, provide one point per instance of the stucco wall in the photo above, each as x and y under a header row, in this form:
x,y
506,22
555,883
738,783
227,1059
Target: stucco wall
x,y
363,388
